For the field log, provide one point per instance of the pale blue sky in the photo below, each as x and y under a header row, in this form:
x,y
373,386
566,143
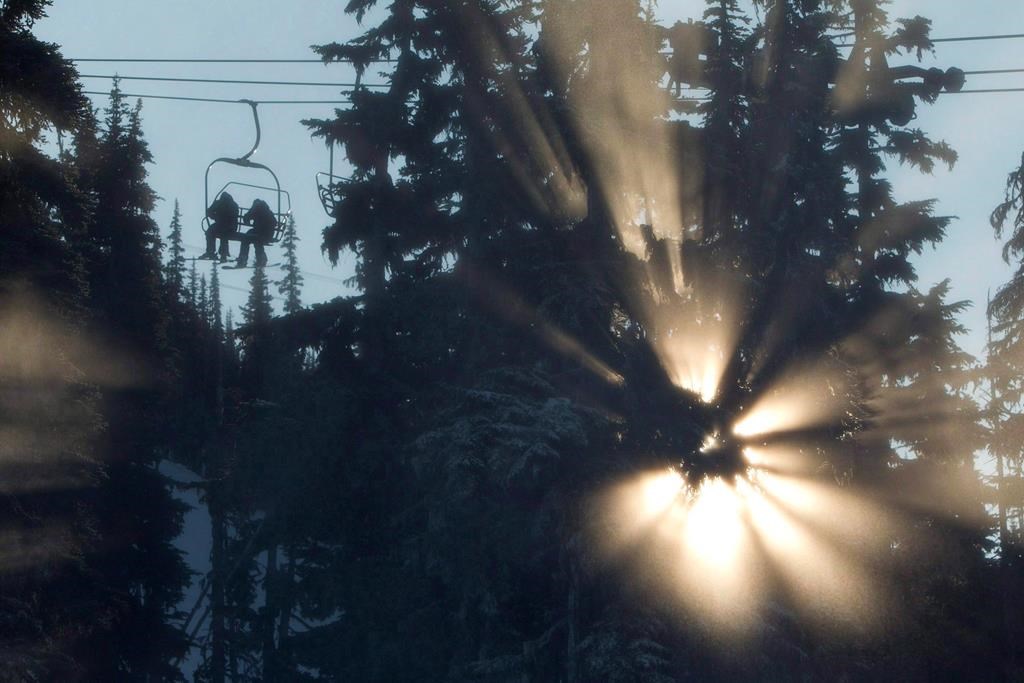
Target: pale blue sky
x,y
185,136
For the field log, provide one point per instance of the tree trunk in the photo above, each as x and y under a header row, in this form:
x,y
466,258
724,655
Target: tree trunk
x,y
286,604
572,625
217,560
270,603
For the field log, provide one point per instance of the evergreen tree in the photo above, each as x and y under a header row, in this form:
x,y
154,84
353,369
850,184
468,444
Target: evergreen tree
x,y
257,356
174,268
1005,407
257,311
39,205
193,286
231,349
122,240
52,599
203,303
933,381
138,514
290,286
1006,358
216,310
725,115
775,221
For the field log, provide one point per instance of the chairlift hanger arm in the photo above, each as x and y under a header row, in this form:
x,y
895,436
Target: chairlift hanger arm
x,y
256,121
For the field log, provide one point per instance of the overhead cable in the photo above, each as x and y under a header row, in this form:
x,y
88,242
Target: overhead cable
x,y
215,99
235,81
319,276
980,72
222,61
975,91
957,39
232,81
162,97
183,98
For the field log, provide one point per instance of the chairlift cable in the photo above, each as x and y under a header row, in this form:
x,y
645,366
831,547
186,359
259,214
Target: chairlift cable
x,y
182,98
233,81
975,91
982,72
222,285
214,99
320,276
270,296
163,97
958,39
223,61
303,101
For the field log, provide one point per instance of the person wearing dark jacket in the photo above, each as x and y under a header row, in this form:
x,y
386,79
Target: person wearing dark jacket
x,y
263,222
223,214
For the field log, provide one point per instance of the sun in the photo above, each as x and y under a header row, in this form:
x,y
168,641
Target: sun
x,y
734,525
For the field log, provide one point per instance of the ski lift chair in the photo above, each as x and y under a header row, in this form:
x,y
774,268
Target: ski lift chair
x,y
281,213
281,202
325,181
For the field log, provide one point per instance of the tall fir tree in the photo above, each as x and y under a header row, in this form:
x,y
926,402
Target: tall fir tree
x,y
290,286
216,308
53,598
1006,355
130,598
203,303
256,347
174,268
193,286
138,513
230,345
1005,367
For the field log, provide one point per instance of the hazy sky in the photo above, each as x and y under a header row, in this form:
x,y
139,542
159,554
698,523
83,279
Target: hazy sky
x,y
186,136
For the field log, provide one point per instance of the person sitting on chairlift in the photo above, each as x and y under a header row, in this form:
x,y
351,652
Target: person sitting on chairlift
x,y
263,222
224,216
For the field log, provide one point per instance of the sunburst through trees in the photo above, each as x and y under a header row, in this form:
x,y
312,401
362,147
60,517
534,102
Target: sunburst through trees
x,y
765,307
638,384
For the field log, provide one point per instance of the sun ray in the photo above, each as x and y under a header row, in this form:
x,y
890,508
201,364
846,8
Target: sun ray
x,y
506,303
49,433
619,116
805,397
520,129
832,588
